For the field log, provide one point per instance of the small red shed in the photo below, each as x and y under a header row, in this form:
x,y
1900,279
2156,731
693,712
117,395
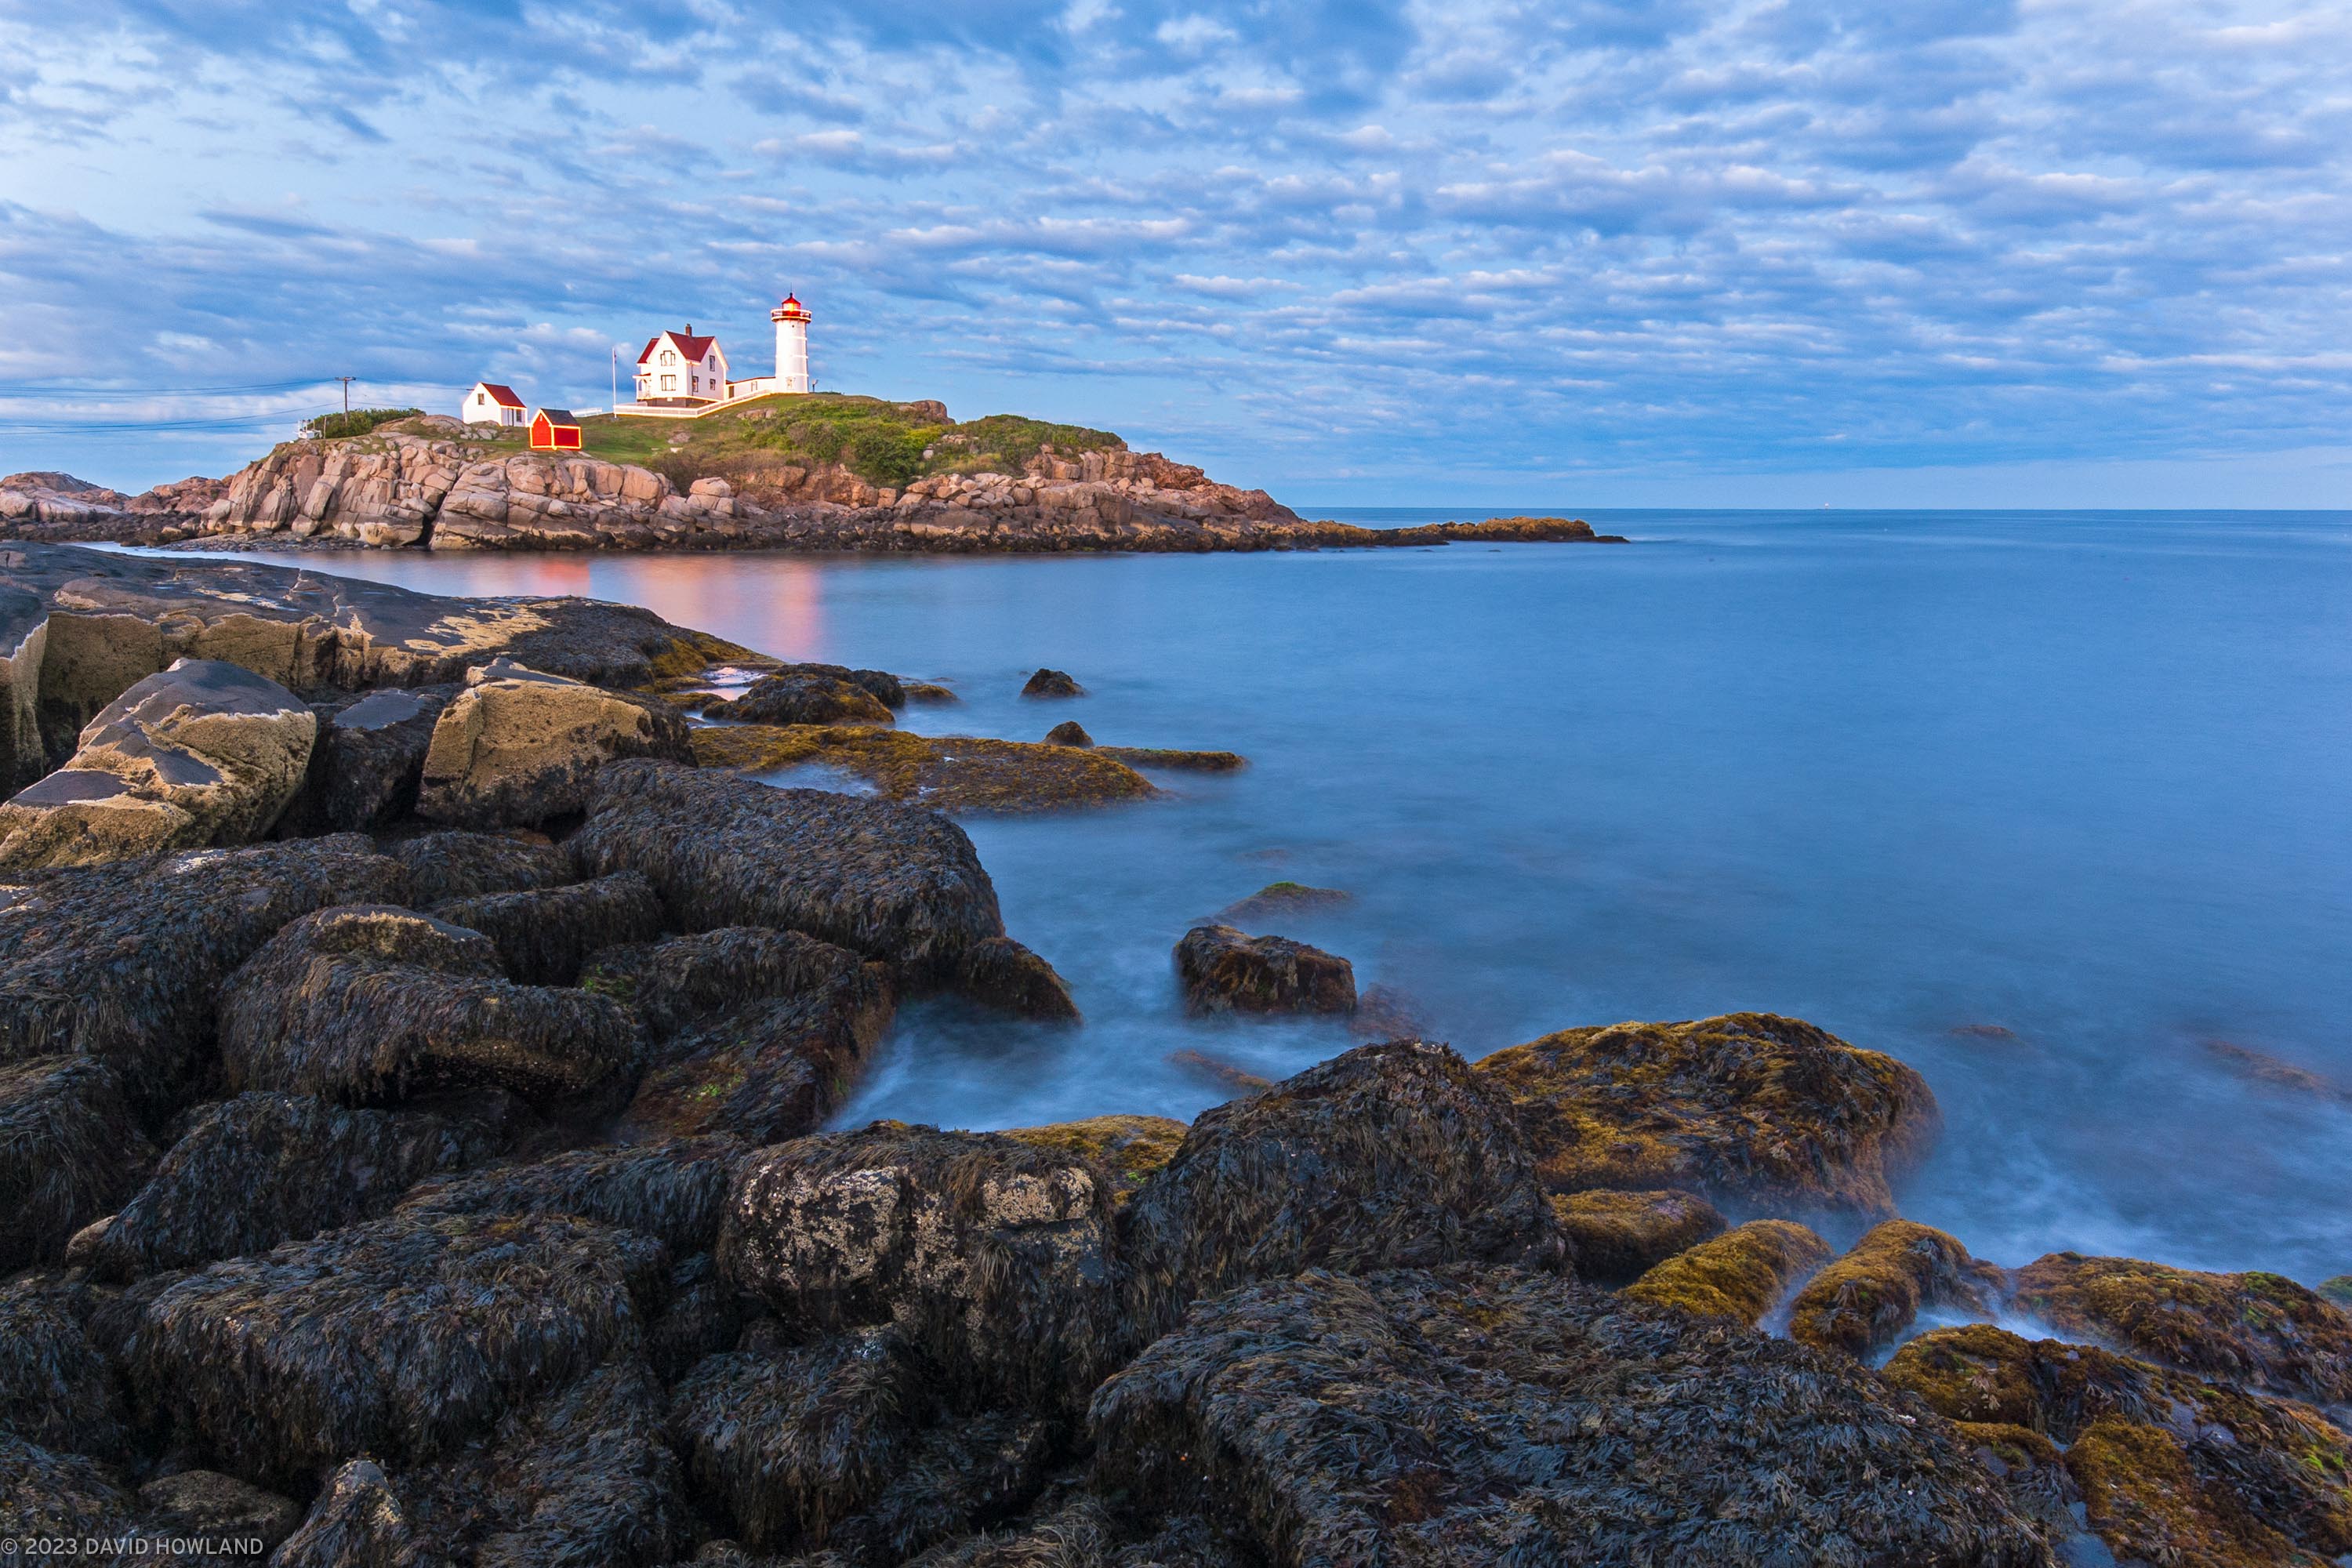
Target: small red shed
x,y
554,430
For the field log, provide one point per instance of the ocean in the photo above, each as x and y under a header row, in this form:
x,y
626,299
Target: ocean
x,y
2051,806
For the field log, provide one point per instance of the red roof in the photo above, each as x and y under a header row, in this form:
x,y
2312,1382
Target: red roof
x,y
692,348
502,396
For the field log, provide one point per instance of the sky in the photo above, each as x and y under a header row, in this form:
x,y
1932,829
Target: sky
x,y
1592,253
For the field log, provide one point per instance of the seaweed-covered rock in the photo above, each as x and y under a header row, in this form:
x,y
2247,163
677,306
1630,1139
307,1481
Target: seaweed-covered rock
x,y
69,1149
225,1513
261,1169
586,1476
1002,973
942,773
369,760
791,1442
368,1003
1052,683
2171,1468
1068,732
54,1387
1741,1274
357,1522
1619,1237
544,934
203,753
674,1191
800,695
700,1316
683,981
1385,1157
455,864
517,746
47,1492
2261,1330
993,1258
125,962
771,1070
962,1473
1869,1296
1751,1107
1278,900
1465,1418
892,883
1125,1150
400,1338
1222,970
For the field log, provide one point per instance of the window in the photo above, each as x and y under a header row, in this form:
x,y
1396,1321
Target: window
x,y
669,383
669,356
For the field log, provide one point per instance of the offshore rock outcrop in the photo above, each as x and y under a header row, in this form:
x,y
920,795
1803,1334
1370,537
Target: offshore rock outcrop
x,y
1223,970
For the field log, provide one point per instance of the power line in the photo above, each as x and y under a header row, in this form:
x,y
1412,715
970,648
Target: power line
x,y
50,391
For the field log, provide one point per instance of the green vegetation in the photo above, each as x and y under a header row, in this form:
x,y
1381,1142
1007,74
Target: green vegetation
x,y
358,422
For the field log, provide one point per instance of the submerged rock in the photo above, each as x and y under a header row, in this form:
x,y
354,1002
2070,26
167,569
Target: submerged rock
x,y
204,753
399,1338
1386,1156
1068,732
1460,1416
1741,1274
69,1151
892,883
1868,1297
1276,900
1125,1150
1224,971
1052,683
2262,1331
125,963
1762,1110
944,773
1618,1236
454,864
800,695
517,746
369,1003
545,934
261,1169
993,1258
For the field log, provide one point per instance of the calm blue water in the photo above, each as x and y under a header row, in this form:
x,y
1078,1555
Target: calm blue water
x,y
2080,777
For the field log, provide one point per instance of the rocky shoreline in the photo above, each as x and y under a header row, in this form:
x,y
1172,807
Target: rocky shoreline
x,y
418,1039
425,485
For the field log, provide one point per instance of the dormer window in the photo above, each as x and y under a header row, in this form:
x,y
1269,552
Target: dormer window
x,y
669,356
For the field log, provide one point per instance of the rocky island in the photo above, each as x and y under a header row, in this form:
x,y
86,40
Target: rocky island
x,y
817,472
419,1043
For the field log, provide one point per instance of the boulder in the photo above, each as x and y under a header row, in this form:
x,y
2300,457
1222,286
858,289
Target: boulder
x,y
1762,1110
69,1151
457,865
223,1513
1619,1237
125,963
944,773
1052,683
55,1388
992,1258
1470,1417
369,759
2260,1330
204,753
1224,971
544,934
892,883
51,1493
1278,899
1869,1296
1384,1157
1741,1274
674,1193
519,746
1002,973
676,984
1125,1150
1068,732
366,1003
769,1071
357,1522
401,1338
798,695
261,1169
2170,1468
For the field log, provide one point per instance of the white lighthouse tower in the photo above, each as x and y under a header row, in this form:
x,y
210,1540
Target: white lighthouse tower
x,y
792,318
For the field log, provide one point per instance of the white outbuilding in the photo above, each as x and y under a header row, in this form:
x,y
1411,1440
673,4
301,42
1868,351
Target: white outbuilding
x,y
492,402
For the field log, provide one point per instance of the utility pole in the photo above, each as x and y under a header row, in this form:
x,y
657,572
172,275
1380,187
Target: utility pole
x,y
615,411
347,380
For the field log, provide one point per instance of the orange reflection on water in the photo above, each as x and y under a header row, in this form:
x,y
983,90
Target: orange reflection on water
x,y
772,603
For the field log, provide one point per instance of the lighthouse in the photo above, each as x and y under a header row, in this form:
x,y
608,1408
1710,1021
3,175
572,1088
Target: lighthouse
x,y
792,318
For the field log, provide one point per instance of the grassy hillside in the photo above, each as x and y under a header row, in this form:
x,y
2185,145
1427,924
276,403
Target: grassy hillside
x,y
883,443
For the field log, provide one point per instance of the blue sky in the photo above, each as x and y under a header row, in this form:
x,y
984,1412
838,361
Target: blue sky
x,y
1592,253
